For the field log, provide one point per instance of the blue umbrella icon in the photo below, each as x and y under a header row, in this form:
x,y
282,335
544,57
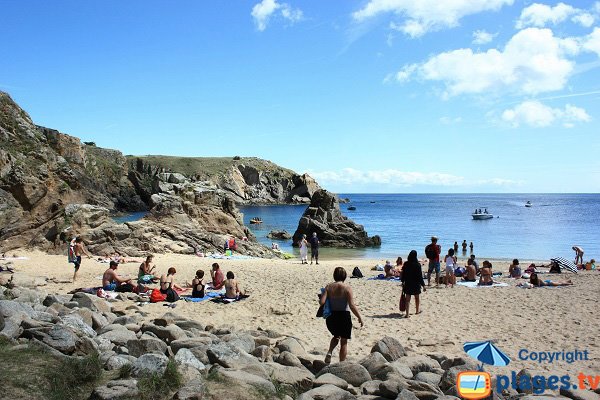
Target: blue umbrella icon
x,y
487,353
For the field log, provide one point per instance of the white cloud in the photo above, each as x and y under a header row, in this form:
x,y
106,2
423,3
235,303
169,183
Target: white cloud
x,y
538,115
397,178
541,15
387,177
533,61
591,42
584,19
427,15
483,37
450,121
263,11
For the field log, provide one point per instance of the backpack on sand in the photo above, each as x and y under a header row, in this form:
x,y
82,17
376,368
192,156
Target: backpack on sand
x,y
356,273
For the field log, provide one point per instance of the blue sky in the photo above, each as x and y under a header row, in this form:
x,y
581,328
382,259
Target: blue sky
x,y
367,96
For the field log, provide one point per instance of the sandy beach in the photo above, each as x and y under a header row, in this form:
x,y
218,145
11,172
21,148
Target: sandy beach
x,y
283,297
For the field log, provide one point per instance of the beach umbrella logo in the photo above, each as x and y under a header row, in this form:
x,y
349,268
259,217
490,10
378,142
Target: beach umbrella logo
x,y
486,353
475,385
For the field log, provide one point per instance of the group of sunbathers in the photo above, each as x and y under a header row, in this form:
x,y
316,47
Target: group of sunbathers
x,y
112,281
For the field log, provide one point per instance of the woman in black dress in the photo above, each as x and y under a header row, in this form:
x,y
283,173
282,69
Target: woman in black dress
x,y
412,280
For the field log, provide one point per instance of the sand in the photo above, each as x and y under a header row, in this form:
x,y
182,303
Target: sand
x,y
283,297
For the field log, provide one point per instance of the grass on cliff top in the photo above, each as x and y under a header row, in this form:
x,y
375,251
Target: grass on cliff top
x,y
32,373
210,166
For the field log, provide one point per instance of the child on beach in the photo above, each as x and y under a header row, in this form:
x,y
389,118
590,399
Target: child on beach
x,y
450,263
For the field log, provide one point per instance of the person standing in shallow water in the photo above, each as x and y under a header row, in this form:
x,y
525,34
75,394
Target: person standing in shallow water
x,y
339,322
314,248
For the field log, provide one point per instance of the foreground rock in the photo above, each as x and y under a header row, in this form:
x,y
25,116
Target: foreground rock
x,y
324,217
222,362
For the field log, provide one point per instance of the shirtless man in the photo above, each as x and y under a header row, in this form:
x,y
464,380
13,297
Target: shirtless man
x,y
232,288
79,249
471,273
110,278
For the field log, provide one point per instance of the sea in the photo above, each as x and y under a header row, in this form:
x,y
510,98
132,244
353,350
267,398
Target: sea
x,y
549,228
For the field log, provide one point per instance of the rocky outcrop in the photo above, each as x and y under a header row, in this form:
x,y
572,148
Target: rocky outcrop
x,y
52,186
324,217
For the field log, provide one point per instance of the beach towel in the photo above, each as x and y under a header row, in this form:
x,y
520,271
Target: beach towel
x,y
224,300
475,285
13,258
381,277
207,296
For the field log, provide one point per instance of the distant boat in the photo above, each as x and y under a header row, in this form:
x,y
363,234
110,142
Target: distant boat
x,y
351,208
256,220
372,202
479,214
528,204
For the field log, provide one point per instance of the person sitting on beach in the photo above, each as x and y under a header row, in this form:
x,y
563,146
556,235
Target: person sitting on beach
x,y
168,285
534,280
198,284
485,272
217,276
146,270
389,270
514,270
111,280
470,274
591,265
450,263
232,288
339,322
399,266
554,268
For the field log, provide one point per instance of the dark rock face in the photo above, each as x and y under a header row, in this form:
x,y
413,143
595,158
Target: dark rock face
x,y
281,235
324,217
52,186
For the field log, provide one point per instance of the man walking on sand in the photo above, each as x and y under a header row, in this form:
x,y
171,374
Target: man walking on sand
x,y
314,248
432,252
79,249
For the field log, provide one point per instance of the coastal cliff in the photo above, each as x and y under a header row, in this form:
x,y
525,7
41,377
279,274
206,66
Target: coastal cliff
x,y
53,186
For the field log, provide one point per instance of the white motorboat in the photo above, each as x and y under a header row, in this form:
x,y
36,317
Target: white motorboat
x,y
528,204
482,214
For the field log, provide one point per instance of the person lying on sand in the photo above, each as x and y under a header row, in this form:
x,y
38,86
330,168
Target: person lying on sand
x,y
534,280
111,279
232,288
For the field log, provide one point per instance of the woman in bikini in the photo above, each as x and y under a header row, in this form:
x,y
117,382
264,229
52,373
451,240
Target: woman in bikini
x,y
485,278
168,285
339,322
534,280
232,288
